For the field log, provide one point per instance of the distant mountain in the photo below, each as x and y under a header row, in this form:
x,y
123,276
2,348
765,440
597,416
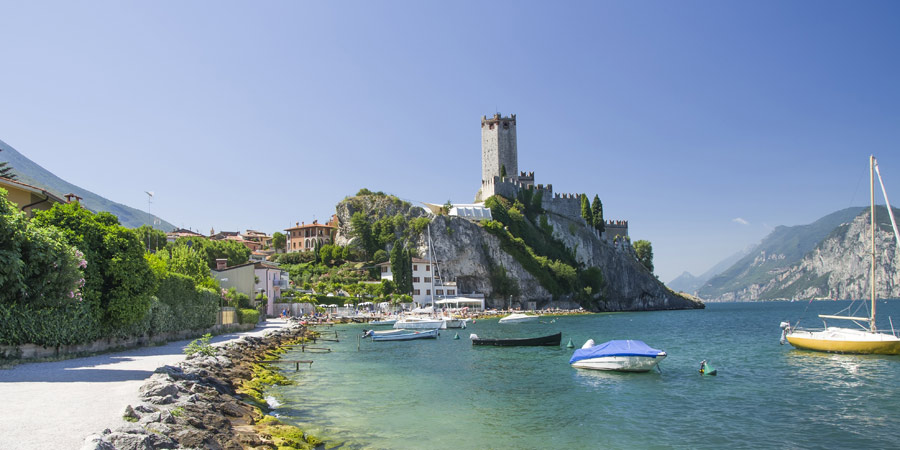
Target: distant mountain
x,y
687,282
770,271
30,173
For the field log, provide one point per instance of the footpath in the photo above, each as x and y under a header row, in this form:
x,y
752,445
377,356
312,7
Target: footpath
x,y
56,405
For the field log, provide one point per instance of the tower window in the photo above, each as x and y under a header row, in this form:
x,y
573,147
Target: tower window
x,y
491,126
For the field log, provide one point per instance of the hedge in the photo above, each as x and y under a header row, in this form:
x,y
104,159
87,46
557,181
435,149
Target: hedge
x,y
248,315
74,323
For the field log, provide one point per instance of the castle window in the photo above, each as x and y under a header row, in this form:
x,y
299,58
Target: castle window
x,y
491,126
505,125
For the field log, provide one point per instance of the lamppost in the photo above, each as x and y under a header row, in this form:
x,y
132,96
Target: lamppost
x,y
149,218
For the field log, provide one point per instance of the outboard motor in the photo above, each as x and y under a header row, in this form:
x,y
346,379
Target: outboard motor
x,y
785,328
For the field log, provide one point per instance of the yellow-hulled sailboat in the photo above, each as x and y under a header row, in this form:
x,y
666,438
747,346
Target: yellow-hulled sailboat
x,y
863,340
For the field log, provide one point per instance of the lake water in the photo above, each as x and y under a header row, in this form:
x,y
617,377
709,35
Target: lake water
x,y
447,394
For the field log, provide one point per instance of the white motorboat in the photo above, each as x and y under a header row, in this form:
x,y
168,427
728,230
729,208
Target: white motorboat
x,y
622,355
402,335
517,317
420,323
383,322
455,322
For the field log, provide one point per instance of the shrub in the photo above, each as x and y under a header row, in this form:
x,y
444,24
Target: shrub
x,y
73,323
248,315
201,346
38,266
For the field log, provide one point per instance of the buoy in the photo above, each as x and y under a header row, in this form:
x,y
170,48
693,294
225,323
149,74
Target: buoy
x,y
456,337
570,344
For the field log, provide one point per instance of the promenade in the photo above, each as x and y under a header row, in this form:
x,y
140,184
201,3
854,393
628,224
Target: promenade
x,y
57,404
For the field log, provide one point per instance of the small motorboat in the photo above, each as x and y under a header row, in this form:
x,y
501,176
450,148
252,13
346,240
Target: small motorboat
x,y
620,355
421,323
383,322
517,317
401,335
552,339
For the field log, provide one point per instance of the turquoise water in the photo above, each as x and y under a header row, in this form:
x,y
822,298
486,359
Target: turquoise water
x,y
446,394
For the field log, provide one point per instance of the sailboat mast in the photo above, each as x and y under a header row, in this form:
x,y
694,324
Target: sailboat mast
x,y
872,198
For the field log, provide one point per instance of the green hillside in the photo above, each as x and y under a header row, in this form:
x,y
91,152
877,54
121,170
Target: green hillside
x,y
30,173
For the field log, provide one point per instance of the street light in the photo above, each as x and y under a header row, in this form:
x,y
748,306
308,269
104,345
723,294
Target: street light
x,y
149,218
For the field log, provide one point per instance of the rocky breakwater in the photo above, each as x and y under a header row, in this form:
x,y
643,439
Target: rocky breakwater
x,y
211,402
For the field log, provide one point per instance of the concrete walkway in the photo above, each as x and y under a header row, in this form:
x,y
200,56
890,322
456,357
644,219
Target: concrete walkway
x,y
58,404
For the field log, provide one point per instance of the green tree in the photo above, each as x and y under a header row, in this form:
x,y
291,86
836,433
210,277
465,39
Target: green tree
x,y
279,241
362,229
644,251
586,210
445,210
502,171
597,213
118,280
503,285
6,171
37,265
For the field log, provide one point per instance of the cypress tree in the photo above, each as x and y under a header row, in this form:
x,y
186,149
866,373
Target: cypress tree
x,y
586,210
597,212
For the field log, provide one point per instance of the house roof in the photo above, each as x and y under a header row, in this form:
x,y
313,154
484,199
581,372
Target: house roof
x,y
33,189
310,225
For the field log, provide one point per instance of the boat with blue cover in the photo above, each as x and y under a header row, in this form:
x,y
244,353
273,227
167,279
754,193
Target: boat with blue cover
x,y
620,355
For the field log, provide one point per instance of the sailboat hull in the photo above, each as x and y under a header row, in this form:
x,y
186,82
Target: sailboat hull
x,y
845,340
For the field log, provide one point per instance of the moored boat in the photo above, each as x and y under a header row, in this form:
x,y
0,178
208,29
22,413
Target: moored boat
x,y
402,335
552,339
420,323
619,355
517,318
383,322
866,339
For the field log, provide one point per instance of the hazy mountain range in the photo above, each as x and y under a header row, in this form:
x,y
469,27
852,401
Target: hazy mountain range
x,y
827,258
30,173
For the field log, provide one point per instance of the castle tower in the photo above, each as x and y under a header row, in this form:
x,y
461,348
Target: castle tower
x,y
498,146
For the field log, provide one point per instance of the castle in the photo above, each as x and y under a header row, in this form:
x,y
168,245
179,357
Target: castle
x,y
500,174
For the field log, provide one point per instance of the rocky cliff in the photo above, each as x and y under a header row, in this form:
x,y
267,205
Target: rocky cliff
x,y
837,267
465,252
374,206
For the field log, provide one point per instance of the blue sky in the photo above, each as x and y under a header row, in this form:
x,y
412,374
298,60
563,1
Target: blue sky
x,y
704,124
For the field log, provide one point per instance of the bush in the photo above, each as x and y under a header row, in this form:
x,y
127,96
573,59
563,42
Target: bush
x,y
118,280
183,305
38,267
201,346
248,315
73,323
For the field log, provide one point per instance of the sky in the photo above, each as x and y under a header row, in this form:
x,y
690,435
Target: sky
x,y
704,124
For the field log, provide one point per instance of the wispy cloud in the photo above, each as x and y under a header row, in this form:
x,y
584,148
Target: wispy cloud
x,y
740,220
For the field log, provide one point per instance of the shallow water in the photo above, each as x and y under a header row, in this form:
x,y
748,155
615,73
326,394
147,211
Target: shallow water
x,y
447,394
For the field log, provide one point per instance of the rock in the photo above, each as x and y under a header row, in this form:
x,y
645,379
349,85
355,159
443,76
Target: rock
x,y
96,442
156,387
129,441
143,408
130,414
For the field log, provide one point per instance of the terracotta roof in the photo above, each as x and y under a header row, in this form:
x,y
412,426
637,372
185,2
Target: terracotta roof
x,y
31,188
310,225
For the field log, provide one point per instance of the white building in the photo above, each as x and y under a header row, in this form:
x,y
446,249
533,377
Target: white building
x,y
423,281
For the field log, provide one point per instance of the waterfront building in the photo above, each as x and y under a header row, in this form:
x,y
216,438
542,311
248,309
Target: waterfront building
x,y
303,237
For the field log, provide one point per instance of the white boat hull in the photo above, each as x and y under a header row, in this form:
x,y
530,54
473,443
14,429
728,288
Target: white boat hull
x,y
517,318
383,322
621,363
420,324
456,323
407,336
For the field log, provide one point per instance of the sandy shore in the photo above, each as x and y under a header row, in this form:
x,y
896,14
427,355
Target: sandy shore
x,y
57,404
